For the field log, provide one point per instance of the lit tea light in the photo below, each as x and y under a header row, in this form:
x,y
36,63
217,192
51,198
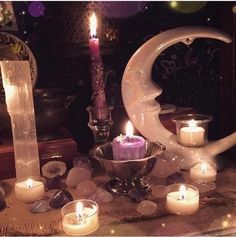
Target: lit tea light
x,y
203,172
29,190
182,199
192,135
80,217
129,146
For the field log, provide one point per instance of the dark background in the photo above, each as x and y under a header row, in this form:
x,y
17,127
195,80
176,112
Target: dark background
x,y
201,75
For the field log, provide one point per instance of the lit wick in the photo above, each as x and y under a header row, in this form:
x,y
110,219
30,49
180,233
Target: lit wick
x,y
182,192
29,183
79,211
129,131
204,168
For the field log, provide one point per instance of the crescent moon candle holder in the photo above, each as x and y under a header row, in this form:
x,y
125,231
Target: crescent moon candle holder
x,y
127,174
139,97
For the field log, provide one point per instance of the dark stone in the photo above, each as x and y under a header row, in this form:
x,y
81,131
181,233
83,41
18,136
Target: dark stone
x,y
2,203
54,183
175,178
60,198
138,194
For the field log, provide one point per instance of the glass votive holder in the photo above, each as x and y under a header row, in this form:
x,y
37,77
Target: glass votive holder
x,y
192,129
182,199
29,189
80,217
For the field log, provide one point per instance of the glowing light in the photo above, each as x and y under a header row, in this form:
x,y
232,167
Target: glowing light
x,y
204,168
229,215
79,210
112,231
182,192
192,123
173,4
163,224
225,224
40,227
29,183
129,129
234,9
93,25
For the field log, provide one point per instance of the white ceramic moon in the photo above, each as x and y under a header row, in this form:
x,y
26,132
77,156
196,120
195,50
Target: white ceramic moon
x,y
139,93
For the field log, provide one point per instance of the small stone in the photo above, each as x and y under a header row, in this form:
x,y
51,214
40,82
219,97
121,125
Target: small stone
x,y
40,206
60,198
101,196
146,207
2,203
86,188
82,161
54,183
138,194
53,168
159,191
175,178
76,175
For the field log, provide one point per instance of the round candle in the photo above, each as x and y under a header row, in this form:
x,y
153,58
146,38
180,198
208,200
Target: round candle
x,y
203,172
80,217
29,190
192,135
182,199
129,146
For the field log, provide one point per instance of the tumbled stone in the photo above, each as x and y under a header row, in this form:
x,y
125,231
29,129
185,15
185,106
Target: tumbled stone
x,y
138,194
2,203
40,206
101,196
83,161
86,188
60,198
159,191
146,207
54,183
76,175
175,178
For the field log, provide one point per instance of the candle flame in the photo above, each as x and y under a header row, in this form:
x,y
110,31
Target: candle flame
x,y
79,210
192,123
203,167
29,183
93,25
182,192
129,129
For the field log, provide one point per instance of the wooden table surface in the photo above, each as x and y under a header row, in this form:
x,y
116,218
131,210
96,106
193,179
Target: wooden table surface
x,y
217,214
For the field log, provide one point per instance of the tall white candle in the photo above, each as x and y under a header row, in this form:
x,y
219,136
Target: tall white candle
x,y
192,135
29,190
80,217
184,201
203,172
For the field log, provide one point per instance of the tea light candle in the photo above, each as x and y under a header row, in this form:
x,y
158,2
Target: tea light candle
x,y
192,135
203,172
80,217
129,146
182,199
29,190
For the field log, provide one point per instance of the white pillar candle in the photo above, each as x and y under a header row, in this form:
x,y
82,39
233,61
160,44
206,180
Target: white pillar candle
x,y
203,172
129,146
80,217
29,190
192,135
182,199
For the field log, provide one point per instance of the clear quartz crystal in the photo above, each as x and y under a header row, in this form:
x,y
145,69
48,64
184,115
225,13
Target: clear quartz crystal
x,y
19,99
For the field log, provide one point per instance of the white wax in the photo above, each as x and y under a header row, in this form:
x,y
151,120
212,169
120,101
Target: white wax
x,y
203,172
32,193
192,136
89,224
186,206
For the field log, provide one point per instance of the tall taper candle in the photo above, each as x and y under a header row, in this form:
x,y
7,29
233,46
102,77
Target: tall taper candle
x,y
97,72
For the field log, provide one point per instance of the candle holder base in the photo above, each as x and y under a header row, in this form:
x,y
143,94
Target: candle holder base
x,y
100,126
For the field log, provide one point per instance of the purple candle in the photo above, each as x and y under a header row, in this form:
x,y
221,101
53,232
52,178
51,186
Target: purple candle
x,y
97,72
129,146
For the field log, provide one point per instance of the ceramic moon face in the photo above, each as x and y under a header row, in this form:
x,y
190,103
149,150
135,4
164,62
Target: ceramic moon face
x,y
139,93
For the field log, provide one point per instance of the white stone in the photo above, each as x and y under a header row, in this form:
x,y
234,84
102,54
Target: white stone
x,y
76,175
147,207
86,188
159,191
102,196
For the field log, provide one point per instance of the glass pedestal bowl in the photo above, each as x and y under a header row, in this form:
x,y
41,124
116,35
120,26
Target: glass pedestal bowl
x,y
127,174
